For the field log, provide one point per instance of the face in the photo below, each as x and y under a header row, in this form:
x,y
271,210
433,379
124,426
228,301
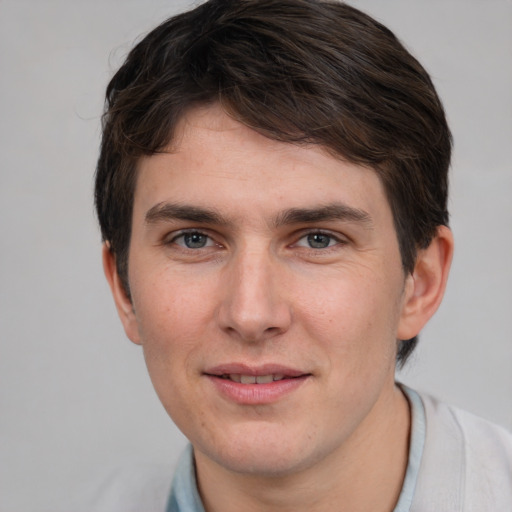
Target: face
x,y
267,292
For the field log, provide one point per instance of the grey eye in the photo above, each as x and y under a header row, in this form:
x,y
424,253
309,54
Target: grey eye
x,y
318,240
195,240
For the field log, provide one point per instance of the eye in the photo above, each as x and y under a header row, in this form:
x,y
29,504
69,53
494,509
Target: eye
x,y
318,240
193,240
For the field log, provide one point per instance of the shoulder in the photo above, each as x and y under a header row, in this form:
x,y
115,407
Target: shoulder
x,y
480,441
467,461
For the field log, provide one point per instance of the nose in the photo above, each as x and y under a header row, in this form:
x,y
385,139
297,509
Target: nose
x,y
253,306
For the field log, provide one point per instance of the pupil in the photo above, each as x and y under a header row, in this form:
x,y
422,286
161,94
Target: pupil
x,y
319,241
194,240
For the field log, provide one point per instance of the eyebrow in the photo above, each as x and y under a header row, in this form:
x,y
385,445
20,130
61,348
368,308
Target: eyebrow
x,y
333,211
164,211
172,211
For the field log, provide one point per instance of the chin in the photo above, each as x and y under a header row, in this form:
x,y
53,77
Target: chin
x,y
264,453
256,463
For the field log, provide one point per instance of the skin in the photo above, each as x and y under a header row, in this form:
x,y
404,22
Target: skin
x,y
265,274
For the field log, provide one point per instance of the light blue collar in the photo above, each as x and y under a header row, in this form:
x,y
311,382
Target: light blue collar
x,y
184,494
416,444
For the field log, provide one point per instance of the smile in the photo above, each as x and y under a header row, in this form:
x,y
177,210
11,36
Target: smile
x,y
250,385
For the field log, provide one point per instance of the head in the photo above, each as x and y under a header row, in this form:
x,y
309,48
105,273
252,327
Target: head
x,y
305,72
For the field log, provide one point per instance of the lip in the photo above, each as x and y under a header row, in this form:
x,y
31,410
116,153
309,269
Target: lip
x,y
255,371
255,394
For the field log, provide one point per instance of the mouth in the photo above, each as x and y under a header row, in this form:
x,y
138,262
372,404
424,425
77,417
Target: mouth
x,y
254,379
256,385
261,374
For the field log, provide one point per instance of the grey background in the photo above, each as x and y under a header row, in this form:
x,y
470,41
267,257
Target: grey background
x,y
74,395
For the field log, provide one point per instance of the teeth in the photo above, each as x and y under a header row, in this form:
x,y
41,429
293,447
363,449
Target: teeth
x,y
251,379
264,379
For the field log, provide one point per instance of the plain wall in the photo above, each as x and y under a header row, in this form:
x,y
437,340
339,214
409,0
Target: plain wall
x,y
75,398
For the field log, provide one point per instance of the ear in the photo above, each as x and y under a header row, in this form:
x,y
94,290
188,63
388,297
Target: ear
x,y
123,303
424,288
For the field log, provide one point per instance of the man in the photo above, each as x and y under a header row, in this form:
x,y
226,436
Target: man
x,y
272,192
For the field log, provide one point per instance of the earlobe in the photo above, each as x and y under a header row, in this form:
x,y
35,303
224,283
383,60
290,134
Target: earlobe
x,y
424,288
122,301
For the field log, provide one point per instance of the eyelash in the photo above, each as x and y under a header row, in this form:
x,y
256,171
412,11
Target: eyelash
x,y
191,232
332,238
210,242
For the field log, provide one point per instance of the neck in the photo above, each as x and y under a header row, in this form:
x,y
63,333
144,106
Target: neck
x,y
366,473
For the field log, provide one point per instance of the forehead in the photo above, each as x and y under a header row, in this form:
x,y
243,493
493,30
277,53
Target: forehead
x,y
215,161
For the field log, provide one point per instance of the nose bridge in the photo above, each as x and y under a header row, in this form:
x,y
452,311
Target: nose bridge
x,y
254,307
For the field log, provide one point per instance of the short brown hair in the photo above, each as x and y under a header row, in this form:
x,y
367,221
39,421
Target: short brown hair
x,y
298,71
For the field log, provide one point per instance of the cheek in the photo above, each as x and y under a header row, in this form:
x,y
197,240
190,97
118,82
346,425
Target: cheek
x,y
168,302
168,327
353,319
172,318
